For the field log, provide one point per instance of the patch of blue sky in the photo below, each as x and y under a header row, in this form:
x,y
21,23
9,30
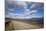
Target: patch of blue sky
x,y
20,10
40,12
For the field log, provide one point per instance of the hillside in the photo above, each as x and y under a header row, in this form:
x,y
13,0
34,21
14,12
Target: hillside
x,y
34,23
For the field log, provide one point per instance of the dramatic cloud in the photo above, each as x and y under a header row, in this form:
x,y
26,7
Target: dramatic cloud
x,y
27,12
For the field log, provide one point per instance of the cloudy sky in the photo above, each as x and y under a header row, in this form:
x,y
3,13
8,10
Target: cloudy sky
x,y
21,9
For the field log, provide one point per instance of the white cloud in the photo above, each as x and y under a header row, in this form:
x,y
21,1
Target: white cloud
x,y
11,1
33,5
21,3
11,9
30,13
10,13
